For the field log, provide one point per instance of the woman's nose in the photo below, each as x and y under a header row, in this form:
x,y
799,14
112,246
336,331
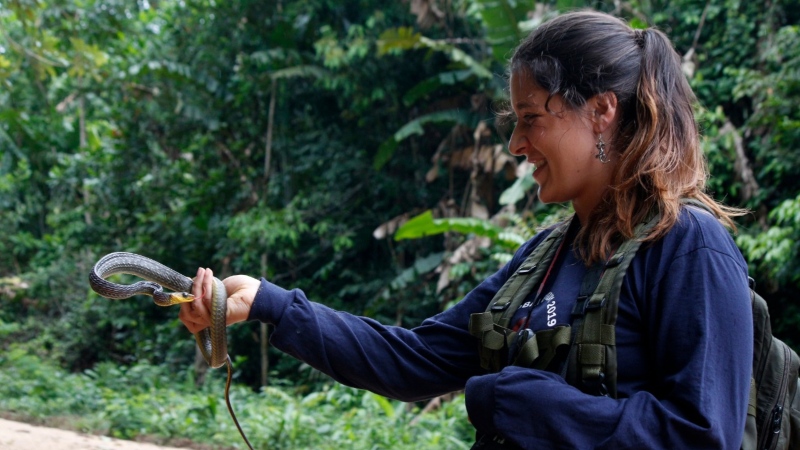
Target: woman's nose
x,y
517,143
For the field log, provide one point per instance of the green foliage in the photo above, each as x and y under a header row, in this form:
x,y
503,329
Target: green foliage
x,y
519,189
426,225
245,136
774,252
414,127
771,87
129,402
126,137
773,255
501,20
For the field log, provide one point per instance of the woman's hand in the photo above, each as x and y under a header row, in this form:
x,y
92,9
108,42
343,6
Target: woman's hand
x,y
241,293
240,289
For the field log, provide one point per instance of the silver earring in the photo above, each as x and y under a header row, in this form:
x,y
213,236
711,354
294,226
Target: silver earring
x,y
601,150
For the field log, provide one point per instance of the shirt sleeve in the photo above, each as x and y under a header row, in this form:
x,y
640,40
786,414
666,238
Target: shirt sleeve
x,y
697,324
434,358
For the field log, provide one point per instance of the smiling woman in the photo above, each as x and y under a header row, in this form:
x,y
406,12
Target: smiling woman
x,y
605,115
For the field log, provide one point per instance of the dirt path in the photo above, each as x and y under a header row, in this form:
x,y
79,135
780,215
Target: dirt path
x,y
22,436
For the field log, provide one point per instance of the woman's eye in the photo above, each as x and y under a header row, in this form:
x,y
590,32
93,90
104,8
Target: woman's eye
x,y
508,121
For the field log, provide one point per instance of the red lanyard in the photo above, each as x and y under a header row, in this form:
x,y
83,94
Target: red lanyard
x,y
549,269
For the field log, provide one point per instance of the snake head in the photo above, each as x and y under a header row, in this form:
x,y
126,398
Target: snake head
x,y
180,297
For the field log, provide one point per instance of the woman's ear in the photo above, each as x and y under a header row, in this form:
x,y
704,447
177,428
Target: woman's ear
x,y
604,110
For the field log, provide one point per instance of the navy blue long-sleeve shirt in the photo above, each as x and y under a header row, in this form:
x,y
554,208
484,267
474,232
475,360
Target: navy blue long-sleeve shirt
x,y
684,349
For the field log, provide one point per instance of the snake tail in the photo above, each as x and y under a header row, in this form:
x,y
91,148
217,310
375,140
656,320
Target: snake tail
x,y
228,403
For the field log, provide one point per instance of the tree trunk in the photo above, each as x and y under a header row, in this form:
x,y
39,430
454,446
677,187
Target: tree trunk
x,y
264,335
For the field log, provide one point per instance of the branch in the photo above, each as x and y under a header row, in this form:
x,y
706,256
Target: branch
x,y
31,54
700,27
741,164
626,6
270,125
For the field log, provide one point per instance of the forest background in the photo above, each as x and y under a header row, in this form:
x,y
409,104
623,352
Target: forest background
x,y
346,148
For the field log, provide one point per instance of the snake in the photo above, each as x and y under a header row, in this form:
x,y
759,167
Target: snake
x,y
212,341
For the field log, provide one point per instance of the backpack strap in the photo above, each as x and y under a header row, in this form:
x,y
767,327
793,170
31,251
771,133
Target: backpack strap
x,y
491,326
592,360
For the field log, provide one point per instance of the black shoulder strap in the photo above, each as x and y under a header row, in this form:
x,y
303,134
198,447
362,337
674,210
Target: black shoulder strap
x,y
491,326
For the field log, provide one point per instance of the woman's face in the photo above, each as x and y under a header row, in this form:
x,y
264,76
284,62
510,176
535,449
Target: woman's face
x,y
560,143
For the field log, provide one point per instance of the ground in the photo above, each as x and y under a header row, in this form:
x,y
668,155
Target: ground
x,y
22,436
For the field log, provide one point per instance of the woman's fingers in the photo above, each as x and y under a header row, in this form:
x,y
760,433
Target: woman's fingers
x,y
241,291
197,286
194,315
208,284
191,318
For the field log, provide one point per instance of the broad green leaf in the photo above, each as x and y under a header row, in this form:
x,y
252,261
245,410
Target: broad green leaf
x,y
421,266
471,225
401,38
425,225
501,20
405,38
414,127
299,71
457,55
430,85
419,226
519,189
385,153
385,404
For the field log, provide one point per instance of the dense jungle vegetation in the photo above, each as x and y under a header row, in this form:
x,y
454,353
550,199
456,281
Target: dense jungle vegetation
x,y
347,148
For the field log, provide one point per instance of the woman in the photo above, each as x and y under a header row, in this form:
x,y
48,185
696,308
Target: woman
x,y
605,114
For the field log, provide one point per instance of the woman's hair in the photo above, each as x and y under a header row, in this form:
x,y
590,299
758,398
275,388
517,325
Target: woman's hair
x,y
656,144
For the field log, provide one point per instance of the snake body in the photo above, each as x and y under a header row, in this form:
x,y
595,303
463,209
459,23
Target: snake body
x,y
212,341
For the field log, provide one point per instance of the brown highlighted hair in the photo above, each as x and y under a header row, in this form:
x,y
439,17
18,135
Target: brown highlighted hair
x,y
657,143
